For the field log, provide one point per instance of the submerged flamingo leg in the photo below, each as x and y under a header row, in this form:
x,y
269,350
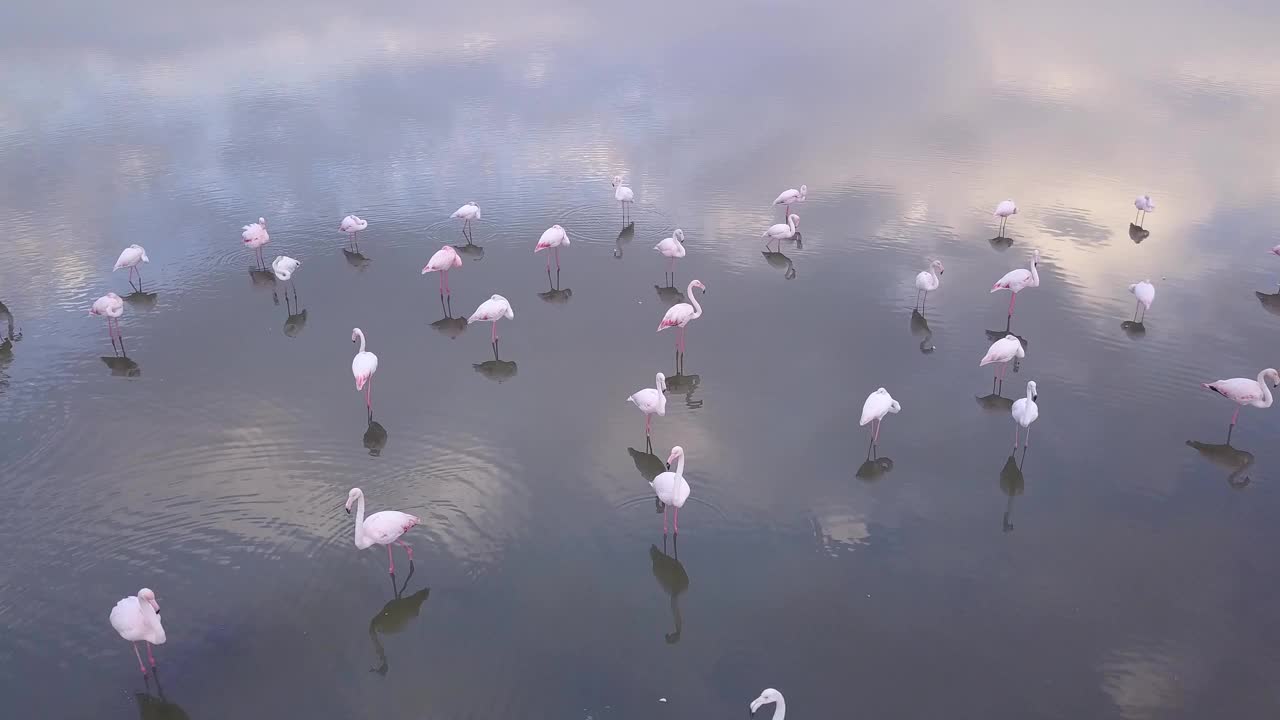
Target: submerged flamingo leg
x,y
141,667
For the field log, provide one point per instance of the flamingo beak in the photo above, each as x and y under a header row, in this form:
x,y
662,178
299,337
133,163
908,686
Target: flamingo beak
x,y
1035,396
668,466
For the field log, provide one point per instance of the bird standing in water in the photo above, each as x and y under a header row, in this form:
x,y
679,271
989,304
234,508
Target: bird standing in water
x,y
363,366
138,619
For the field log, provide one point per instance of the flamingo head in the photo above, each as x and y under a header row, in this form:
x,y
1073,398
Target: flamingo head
x,y
804,190
352,497
262,221
794,218
617,180
678,235
662,382
937,267
1275,250
698,284
1274,377
147,596
677,452
356,335
768,696
1035,257
1031,390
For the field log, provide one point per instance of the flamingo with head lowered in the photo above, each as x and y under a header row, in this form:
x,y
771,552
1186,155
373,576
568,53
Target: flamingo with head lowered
x,y
780,232
1146,294
110,306
363,366
381,528
1244,391
1144,204
131,258
1003,211
552,238
442,261
1015,281
681,314
492,310
467,213
352,225
878,404
1003,351
787,198
255,236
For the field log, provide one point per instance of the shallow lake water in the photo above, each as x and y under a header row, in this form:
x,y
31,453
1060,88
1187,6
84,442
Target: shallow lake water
x,y
1121,568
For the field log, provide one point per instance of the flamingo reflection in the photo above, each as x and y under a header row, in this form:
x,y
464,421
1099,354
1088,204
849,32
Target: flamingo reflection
x,y
394,617
673,579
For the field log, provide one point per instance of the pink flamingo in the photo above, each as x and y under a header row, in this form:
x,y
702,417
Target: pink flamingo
x,y
381,528
679,315
110,306
1015,281
138,618
131,258
651,401
352,225
552,238
671,487
787,198
255,236
492,310
444,258
1244,391
878,404
1003,210
363,366
672,248
1003,351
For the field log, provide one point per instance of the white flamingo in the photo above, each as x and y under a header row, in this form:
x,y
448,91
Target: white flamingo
x,y
352,225
492,310
1244,391
138,619
284,267
1003,211
1015,281
651,401
681,314
622,194
363,366
877,405
552,238
671,488
442,261
1025,411
1144,204
928,280
255,236
381,528
1146,294
770,696
672,248
1003,351
781,232
467,213
131,258
110,306
787,198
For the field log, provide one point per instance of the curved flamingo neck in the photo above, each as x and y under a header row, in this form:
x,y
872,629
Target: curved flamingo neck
x,y
361,334
791,223
1266,390
1035,272
780,709
693,300
1029,395
658,382
680,466
359,516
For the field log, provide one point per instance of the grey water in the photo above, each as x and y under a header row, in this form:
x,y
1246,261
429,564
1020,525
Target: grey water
x,y
1123,567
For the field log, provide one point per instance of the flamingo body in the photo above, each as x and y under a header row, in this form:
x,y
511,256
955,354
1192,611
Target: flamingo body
x,y
782,231
468,212
672,247
622,193
1145,292
380,528
365,363
792,196
1006,208
284,266
1025,411
255,234
492,310
877,405
131,257
1145,204
1003,350
681,314
138,619
651,401
352,224
444,259
1020,279
1244,391
109,305
552,237
671,487
929,280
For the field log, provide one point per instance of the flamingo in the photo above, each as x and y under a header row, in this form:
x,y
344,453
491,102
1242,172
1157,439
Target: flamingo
x,y
1146,294
284,267
352,225
255,236
671,488
770,696
1244,391
781,232
443,259
1025,411
381,528
552,238
651,401
363,366
1145,204
492,310
929,280
1002,351
132,257
1003,211
467,213
790,197
1016,281
672,248
138,618
681,314
878,404
622,194
1275,250
110,306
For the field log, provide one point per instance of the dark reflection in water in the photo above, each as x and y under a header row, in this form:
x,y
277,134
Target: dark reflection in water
x,y
920,328
673,579
449,326
555,295
263,278
354,258
1012,484
157,706
1270,301
625,236
1000,244
375,437
670,295
497,369
139,300
1134,329
995,401
874,467
781,262
121,365
296,316
1224,455
394,617
1138,234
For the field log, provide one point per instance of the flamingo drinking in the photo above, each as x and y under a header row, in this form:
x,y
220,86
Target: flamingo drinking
x,y
1002,351
651,401
1146,294
443,259
110,306
1015,281
352,225
787,198
138,618
781,232
363,366
681,314
255,236
1025,411
552,238
1144,204
928,280
1244,391
622,194
1003,211
381,528
672,248
131,258
492,310
878,404
770,696
671,488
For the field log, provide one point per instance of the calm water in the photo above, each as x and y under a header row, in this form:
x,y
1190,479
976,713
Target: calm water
x,y
1124,568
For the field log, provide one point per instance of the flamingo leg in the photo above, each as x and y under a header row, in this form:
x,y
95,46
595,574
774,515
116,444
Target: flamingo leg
x,y
391,561
1026,442
1144,314
1013,297
368,390
875,435
150,657
676,520
557,259
440,284
1015,434
493,333
664,518
141,667
925,301
446,283
408,550
548,263
1235,416
647,424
